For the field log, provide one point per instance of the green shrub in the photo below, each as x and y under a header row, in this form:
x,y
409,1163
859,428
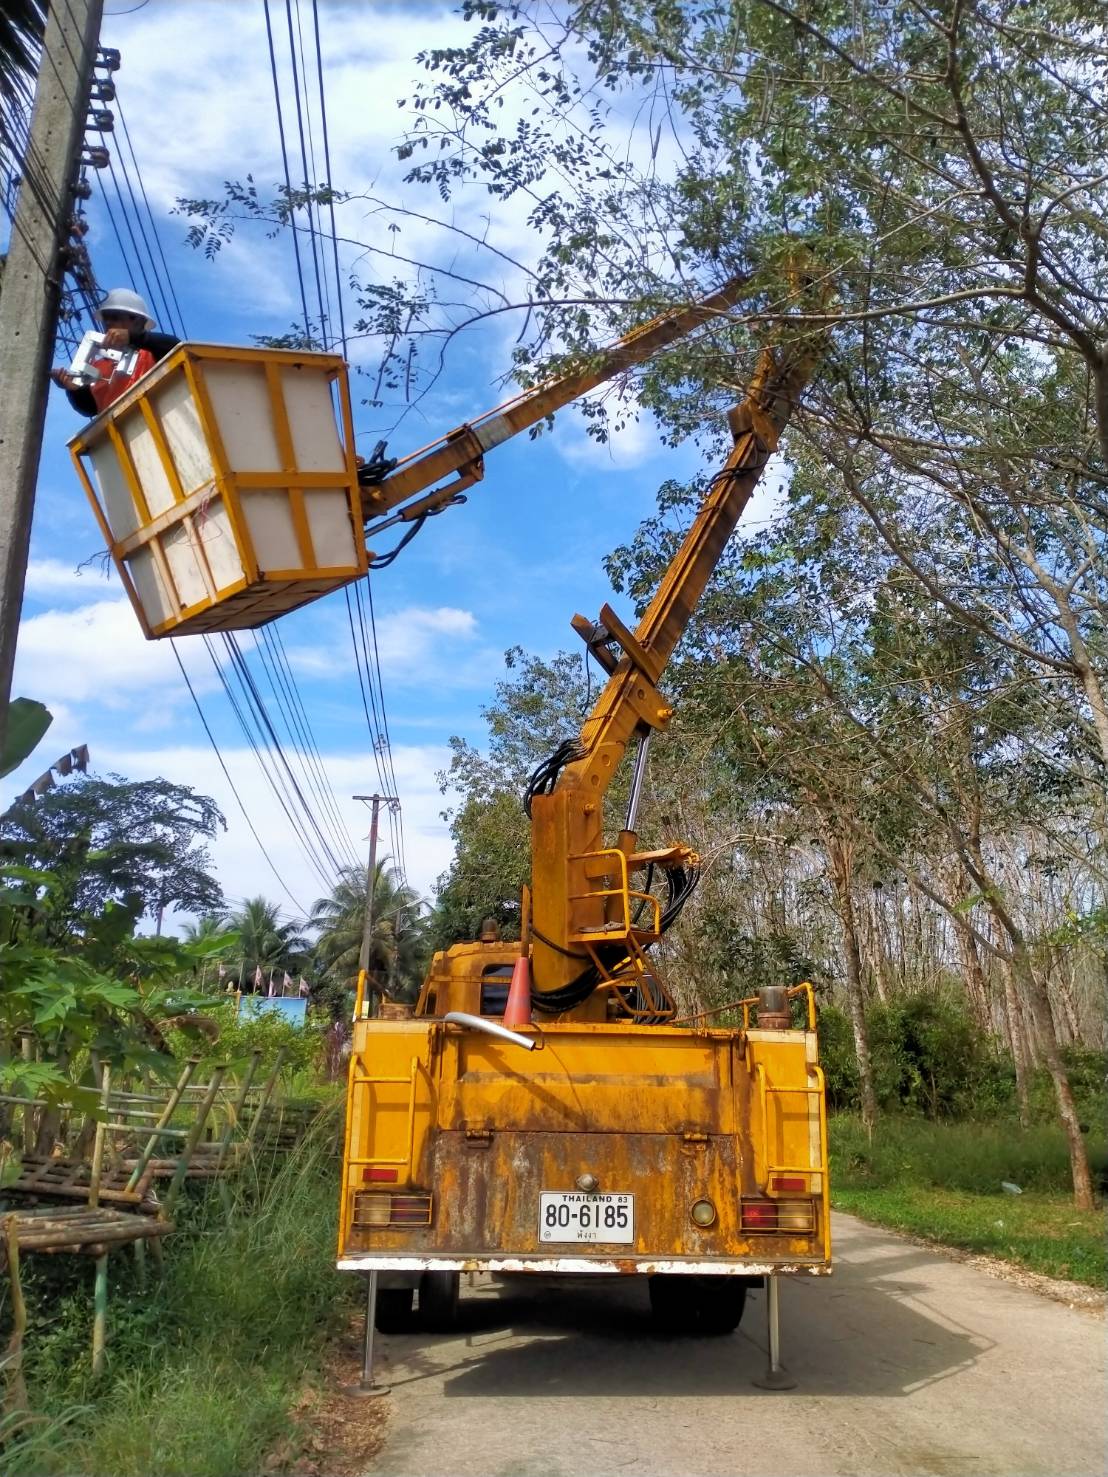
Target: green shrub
x,y
929,1058
837,1058
267,1032
958,1156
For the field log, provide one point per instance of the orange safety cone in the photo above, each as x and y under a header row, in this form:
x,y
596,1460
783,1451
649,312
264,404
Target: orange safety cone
x,y
517,1012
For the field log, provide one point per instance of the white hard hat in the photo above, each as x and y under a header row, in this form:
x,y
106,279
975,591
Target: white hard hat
x,y
123,300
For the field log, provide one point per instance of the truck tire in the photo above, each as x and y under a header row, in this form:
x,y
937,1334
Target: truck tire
x,y
695,1306
438,1300
394,1309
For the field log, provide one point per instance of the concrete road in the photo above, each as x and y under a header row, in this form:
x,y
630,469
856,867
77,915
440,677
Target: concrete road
x,y
907,1363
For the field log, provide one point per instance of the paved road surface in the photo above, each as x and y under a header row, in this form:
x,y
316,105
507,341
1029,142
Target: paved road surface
x,y
907,1363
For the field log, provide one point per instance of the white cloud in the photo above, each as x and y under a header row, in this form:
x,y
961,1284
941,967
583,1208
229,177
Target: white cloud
x,y
97,653
56,578
244,866
412,643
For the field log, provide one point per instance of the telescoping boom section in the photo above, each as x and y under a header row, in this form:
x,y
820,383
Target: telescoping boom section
x,y
546,1108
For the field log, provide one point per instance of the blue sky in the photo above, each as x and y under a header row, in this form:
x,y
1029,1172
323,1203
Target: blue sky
x,y
509,567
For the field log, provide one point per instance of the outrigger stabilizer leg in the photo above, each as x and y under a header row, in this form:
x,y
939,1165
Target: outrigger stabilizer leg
x,y
776,1376
367,1385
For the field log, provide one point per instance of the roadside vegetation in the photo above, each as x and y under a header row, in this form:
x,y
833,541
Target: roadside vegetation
x,y
944,1181
206,1359
206,1363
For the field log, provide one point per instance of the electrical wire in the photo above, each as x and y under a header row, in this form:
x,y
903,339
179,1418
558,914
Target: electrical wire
x,y
227,776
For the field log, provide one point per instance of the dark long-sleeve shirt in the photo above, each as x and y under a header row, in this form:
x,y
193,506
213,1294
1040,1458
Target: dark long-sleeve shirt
x,y
158,344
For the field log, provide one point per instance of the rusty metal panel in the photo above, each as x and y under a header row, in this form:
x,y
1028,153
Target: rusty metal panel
x,y
668,1115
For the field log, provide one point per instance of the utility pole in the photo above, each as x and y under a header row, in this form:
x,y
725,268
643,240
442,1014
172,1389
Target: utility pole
x,y
376,801
32,292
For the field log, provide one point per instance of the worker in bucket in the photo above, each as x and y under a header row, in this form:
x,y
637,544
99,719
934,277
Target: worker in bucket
x,y
127,348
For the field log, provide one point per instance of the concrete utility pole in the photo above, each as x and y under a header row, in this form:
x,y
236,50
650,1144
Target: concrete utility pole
x,y
32,292
376,801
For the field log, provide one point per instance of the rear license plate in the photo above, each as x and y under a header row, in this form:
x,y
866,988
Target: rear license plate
x,y
575,1216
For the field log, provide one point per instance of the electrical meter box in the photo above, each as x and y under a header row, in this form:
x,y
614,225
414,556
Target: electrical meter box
x,y
225,484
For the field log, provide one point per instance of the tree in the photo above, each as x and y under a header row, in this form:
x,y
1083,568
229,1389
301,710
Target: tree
x,y
21,29
264,942
139,843
535,707
398,944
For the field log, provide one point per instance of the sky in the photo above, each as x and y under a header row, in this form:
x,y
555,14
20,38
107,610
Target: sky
x,y
510,567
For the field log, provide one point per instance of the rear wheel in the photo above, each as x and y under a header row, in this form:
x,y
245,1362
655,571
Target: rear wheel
x,y
438,1300
394,1309
697,1306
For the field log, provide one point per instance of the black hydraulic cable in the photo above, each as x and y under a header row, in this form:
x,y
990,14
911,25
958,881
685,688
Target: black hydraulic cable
x,y
285,162
230,781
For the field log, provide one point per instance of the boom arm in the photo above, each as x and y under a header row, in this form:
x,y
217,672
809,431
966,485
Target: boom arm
x,y
460,453
586,912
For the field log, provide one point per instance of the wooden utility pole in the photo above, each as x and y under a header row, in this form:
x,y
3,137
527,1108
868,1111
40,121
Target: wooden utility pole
x,y
32,290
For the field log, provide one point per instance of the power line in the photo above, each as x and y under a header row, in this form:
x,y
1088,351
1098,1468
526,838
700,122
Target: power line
x,y
285,161
227,775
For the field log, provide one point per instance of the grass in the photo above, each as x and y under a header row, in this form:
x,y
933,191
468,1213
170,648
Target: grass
x,y
943,1181
204,1368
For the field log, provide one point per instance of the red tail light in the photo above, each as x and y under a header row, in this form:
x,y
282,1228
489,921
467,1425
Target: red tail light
x,y
381,1174
788,1182
759,1215
781,1217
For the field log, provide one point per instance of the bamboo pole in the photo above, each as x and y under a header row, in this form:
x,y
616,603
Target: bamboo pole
x,y
193,1138
16,1398
170,1108
235,1116
267,1092
99,1313
98,1143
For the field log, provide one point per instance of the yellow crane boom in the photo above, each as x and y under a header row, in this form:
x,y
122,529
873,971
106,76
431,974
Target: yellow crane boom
x,y
460,453
584,905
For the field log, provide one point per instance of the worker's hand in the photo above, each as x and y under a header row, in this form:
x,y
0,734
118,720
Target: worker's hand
x,y
64,378
116,338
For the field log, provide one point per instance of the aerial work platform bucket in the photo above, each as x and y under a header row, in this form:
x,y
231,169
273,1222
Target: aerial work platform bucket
x,y
226,487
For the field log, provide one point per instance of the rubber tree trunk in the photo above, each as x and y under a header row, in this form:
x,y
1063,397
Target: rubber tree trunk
x,y
1052,1054
840,856
1023,976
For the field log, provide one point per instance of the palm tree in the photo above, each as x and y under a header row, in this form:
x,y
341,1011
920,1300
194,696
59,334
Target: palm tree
x,y
21,28
398,946
265,942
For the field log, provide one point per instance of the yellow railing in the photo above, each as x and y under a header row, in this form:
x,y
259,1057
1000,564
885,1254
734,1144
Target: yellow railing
x,y
624,892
